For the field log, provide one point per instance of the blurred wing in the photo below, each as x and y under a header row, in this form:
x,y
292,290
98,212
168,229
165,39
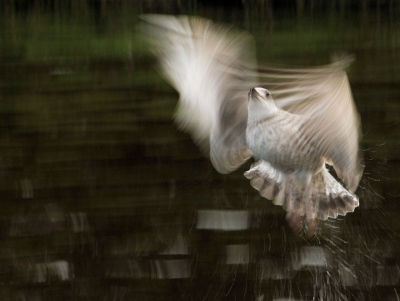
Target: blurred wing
x,y
323,95
205,63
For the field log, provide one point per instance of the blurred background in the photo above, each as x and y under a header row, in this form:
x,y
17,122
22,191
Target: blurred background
x,y
102,198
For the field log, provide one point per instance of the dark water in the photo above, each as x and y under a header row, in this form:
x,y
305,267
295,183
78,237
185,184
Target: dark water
x,y
103,199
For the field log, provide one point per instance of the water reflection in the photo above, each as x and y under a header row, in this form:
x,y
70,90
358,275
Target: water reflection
x,y
102,199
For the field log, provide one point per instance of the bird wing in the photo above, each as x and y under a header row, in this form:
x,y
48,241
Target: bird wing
x,y
205,62
323,96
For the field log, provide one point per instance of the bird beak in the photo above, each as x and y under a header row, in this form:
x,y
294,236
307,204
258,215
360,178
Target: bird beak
x,y
250,94
253,94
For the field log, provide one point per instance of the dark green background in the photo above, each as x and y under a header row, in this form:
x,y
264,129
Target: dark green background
x,y
94,174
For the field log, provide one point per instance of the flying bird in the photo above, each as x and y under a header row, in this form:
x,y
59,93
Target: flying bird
x,y
298,130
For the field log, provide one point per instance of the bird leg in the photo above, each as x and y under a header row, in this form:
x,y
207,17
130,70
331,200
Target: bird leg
x,y
301,210
311,213
289,201
293,206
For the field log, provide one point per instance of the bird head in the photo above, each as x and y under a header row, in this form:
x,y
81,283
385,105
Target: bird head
x,y
260,104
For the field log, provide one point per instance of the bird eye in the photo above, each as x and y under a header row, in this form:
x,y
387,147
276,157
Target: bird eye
x,y
267,94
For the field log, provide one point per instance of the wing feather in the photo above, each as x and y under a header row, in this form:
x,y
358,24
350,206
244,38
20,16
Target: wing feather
x,y
204,62
323,95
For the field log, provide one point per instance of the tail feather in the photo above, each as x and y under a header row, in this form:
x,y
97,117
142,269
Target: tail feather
x,y
267,180
328,198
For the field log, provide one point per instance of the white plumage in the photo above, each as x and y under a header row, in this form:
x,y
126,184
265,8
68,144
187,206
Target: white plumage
x,y
305,120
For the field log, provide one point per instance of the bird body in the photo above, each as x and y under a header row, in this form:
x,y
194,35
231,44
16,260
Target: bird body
x,y
310,122
276,136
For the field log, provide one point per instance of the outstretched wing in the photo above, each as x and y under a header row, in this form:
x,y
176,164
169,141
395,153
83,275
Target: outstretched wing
x,y
204,62
323,95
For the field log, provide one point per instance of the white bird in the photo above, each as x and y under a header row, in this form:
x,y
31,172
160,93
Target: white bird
x,y
310,122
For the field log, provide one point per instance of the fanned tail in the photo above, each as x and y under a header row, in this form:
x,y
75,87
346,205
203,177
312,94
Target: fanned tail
x,y
332,199
328,198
